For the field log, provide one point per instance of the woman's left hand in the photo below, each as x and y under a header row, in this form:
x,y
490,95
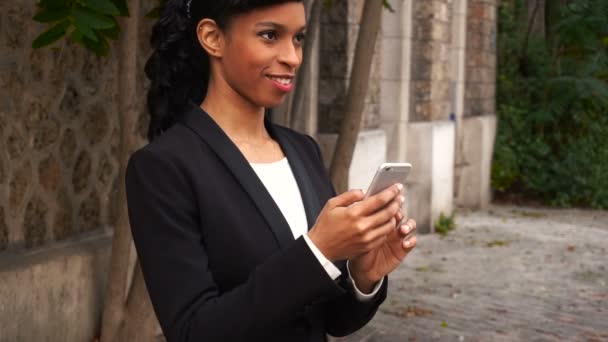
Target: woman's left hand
x,y
369,268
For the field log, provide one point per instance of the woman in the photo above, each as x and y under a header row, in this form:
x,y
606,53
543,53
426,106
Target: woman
x,y
238,230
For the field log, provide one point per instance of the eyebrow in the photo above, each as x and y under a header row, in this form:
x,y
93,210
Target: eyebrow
x,y
277,26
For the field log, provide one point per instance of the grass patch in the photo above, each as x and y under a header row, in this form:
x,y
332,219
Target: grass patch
x,y
498,243
445,224
530,214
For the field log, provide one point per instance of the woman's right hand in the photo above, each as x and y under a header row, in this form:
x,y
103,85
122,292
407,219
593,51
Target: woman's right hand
x,y
349,225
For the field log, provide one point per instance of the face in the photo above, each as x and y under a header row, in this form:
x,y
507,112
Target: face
x,y
262,51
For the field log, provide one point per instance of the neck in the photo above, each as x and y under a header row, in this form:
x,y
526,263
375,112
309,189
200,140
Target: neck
x,y
238,117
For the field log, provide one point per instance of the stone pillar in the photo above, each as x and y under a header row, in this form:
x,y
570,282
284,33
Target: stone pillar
x,y
477,130
395,78
431,133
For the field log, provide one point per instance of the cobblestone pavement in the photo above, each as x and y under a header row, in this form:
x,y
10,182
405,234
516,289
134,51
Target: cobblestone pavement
x,y
504,274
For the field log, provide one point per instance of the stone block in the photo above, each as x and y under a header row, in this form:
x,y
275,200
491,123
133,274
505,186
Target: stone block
x,y
396,138
430,149
54,294
3,231
390,99
35,223
370,152
18,188
49,173
475,165
392,21
81,173
67,148
392,61
89,213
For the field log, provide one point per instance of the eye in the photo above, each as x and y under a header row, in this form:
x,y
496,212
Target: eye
x,y
300,38
268,35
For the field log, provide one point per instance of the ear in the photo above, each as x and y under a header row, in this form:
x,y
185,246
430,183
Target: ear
x,y
211,37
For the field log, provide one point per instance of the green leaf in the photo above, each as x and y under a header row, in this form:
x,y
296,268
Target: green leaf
x,y
122,7
85,29
388,6
92,19
48,15
112,33
76,36
51,35
102,6
52,4
99,47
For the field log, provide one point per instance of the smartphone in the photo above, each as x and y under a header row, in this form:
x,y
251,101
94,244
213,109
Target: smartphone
x,y
388,174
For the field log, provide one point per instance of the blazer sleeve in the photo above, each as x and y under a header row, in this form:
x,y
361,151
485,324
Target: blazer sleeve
x,y
164,219
345,313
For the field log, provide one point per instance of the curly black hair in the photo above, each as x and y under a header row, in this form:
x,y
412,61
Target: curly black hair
x,y
179,67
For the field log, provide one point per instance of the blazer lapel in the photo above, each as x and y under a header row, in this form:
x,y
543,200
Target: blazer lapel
x,y
312,206
211,133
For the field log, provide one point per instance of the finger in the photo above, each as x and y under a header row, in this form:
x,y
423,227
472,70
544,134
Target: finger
x,y
401,247
345,199
379,200
399,216
408,228
409,244
385,214
380,232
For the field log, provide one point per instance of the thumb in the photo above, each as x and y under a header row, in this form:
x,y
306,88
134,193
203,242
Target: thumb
x,y
346,199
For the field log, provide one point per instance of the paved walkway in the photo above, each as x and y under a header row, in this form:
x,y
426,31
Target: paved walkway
x,y
504,274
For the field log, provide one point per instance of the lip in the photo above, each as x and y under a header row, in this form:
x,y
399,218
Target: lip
x,y
280,86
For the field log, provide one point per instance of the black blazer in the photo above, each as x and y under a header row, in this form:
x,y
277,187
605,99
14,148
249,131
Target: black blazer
x,y
219,259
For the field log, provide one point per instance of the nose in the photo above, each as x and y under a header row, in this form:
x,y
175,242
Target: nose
x,y
291,55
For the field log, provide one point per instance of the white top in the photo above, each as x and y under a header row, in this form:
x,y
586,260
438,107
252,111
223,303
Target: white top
x,y
278,179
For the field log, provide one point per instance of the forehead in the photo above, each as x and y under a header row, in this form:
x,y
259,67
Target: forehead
x,y
290,15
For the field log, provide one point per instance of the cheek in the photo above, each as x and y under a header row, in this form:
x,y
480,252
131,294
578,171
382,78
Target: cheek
x,y
247,62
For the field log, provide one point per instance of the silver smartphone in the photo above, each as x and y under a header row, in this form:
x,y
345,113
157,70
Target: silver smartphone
x,y
387,175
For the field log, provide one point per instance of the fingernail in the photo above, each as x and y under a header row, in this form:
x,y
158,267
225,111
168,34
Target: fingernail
x,y
401,199
405,229
400,186
407,243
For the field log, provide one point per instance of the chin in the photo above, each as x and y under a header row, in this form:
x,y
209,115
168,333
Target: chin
x,y
273,102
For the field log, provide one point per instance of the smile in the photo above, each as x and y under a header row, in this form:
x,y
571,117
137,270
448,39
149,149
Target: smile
x,y
282,82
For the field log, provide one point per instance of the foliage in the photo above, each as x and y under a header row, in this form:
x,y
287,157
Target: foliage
x,y
552,140
445,224
386,4
89,23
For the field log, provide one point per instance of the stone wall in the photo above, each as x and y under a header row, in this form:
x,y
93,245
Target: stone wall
x,y
339,31
481,58
431,48
58,126
58,178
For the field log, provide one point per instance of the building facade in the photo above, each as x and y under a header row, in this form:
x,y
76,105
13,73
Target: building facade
x,y
431,102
